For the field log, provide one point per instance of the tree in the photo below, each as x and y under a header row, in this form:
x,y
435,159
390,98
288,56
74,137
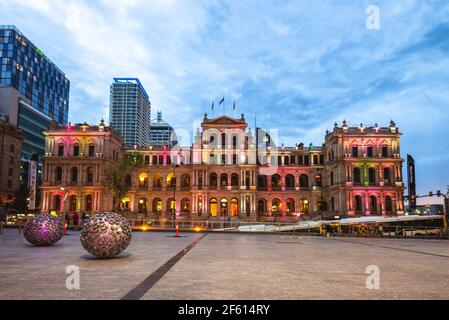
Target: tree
x,y
116,177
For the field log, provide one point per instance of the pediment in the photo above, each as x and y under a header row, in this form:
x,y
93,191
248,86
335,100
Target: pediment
x,y
224,120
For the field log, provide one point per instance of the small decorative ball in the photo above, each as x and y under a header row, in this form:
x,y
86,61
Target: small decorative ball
x,y
106,235
43,230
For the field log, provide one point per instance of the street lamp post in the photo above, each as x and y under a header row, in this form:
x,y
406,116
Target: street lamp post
x,y
174,200
64,209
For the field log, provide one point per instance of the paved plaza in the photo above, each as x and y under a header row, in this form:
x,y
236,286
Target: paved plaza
x,y
227,266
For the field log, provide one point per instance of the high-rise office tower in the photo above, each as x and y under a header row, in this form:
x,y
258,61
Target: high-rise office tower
x,y
33,92
27,69
130,111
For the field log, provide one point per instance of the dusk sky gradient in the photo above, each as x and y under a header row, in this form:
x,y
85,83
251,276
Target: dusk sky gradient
x,y
299,65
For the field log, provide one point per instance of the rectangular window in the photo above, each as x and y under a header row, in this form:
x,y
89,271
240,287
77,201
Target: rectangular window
x,y
370,152
321,159
10,172
91,151
11,148
292,160
306,160
385,152
60,150
355,152
76,151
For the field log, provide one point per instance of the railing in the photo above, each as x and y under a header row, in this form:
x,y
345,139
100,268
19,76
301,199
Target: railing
x,y
224,224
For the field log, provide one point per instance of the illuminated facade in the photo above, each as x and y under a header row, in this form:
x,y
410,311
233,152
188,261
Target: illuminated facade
x,y
231,172
76,159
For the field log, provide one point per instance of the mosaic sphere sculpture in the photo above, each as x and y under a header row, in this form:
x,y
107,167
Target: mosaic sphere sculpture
x,y
43,230
106,235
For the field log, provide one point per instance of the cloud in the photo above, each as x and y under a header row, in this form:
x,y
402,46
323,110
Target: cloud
x,y
300,66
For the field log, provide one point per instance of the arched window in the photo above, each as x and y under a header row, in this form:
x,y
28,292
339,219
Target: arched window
x,y
262,206
157,205
143,180
372,175
234,180
213,207
213,179
58,174
290,181
88,203
387,175
157,180
262,182
76,150
72,203
185,205
276,182
234,142
171,205
90,175
304,206
224,180
303,181
60,150
224,207
223,141
124,204
234,207
185,180
74,174
388,204
318,181
372,203
358,203
171,180
57,202
142,206
290,205
276,205
91,150
356,176
286,161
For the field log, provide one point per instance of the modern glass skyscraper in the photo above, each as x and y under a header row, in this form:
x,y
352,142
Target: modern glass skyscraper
x,y
24,67
130,111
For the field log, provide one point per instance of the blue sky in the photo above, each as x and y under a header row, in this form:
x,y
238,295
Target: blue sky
x,y
299,65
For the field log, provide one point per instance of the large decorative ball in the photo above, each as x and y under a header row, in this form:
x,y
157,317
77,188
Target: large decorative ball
x,y
43,230
106,235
